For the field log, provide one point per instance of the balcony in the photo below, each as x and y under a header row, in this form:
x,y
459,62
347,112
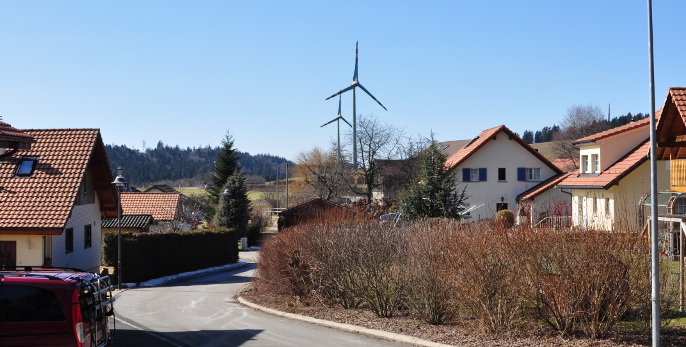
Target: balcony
x,y
677,177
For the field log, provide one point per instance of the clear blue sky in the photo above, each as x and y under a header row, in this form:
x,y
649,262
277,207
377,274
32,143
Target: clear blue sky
x,y
185,72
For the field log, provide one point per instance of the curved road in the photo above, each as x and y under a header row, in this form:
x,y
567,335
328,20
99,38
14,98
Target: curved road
x,y
201,311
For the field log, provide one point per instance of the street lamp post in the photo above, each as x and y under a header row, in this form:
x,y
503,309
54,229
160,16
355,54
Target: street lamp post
x,y
119,182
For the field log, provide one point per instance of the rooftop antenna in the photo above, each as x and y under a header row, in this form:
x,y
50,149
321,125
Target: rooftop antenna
x,y
338,124
608,112
352,87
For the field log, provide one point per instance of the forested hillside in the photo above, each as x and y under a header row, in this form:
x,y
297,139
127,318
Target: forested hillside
x,y
189,166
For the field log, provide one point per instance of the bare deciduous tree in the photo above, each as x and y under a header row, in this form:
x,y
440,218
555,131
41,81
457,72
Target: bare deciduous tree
x,y
580,121
322,173
375,141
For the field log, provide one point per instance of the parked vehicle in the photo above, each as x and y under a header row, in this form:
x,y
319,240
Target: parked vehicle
x,y
54,307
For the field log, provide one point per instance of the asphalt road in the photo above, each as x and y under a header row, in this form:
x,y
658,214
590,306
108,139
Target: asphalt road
x,y
201,311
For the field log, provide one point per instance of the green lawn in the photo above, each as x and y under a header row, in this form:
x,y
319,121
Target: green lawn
x,y
252,195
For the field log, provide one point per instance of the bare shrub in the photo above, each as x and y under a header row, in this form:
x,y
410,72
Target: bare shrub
x,y
284,267
429,291
487,281
334,250
379,265
581,281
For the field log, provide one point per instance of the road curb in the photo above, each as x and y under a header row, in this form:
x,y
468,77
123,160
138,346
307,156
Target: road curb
x,y
345,327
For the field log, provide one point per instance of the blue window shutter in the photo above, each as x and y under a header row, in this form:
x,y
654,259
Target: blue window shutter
x,y
482,174
466,175
521,174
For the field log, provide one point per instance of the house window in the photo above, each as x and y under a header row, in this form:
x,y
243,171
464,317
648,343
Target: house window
x,y
69,240
474,175
501,174
87,236
584,163
26,166
596,163
595,206
607,206
533,174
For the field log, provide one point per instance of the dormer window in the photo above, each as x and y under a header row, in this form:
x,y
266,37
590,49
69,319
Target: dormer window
x,y
26,166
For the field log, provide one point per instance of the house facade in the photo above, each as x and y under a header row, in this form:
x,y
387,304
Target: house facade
x,y
55,187
496,167
614,178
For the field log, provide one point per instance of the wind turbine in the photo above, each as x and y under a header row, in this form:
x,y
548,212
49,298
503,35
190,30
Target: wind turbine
x,y
352,87
338,124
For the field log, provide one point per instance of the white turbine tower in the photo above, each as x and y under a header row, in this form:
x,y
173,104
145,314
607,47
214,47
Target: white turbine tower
x,y
338,124
352,87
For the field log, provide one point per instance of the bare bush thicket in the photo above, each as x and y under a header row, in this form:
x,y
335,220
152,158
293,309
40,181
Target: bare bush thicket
x,y
446,272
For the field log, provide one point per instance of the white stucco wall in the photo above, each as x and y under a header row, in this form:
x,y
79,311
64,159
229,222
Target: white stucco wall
x,y
499,153
623,199
615,147
88,259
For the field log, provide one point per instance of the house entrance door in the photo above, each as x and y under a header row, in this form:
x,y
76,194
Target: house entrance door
x,y
8,253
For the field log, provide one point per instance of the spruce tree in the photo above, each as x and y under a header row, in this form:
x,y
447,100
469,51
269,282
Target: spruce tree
x,y
433,192
233,210
225,166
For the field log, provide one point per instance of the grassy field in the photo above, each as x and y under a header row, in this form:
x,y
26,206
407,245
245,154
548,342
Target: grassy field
x,y
190,191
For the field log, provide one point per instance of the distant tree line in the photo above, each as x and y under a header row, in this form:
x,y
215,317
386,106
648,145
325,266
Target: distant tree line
x,y
165,163
547,134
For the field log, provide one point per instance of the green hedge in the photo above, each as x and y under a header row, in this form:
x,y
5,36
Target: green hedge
x,y
147,256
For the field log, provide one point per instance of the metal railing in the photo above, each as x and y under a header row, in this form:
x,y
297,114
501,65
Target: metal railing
x,y
554,222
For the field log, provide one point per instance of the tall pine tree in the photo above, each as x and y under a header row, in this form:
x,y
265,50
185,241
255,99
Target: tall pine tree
x,y
433,192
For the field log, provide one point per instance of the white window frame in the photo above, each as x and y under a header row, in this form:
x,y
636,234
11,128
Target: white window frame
x,y
533,174
474,175
596,163
584,164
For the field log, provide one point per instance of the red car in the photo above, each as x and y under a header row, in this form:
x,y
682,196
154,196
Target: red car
x,y
54,307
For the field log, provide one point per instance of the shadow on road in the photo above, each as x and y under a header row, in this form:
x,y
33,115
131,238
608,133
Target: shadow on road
x,y
128,336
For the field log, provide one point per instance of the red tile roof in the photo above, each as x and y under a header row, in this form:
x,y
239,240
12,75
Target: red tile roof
x,y
475,144
42,202
614,131
613,174
7,132
162,206
543,186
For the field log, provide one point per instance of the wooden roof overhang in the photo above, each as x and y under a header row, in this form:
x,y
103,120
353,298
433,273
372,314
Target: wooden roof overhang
x,y
671,126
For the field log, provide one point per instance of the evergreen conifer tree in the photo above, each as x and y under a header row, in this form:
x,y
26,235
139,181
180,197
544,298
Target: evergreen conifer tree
x,y
225,166
233,209
432,193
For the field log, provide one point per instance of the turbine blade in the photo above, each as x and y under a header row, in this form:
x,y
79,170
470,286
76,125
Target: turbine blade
x,y
329,122
370,94
355,75
341,117
342,91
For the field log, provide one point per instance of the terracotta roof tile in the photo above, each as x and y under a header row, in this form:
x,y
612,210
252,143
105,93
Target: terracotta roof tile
x,y
614,131
45,199
162,206
475,144
543,186
679,98
7,132
613,174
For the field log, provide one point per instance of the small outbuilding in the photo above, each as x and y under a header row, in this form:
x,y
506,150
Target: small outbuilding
x,y
309,211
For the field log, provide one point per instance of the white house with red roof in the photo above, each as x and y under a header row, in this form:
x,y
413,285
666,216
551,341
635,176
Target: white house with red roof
x,y
613,182
55,185
496,167
165,208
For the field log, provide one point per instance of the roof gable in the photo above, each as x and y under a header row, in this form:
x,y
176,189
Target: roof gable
x,y
645,122
473,146
671,126
613,174
41,203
